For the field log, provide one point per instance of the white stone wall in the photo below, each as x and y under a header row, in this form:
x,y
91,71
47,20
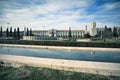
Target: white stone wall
x,y
60,33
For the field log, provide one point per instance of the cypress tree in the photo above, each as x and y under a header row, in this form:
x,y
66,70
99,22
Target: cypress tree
x,y
27,32
109,32
14,32
18,33
1,31
7,32
10,31
105,31
69,34
30,32
115,32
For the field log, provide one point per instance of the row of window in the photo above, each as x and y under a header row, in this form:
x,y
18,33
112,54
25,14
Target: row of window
x,y
38,38
60,33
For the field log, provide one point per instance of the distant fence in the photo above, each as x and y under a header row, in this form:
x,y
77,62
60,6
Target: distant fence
x,y
63,43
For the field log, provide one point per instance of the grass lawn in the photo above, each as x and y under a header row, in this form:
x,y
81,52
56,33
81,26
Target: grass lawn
x,y
106,40
34,73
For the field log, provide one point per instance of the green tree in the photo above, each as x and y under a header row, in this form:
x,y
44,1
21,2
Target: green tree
x,y
18,33
14,33
109,32
7,32
118,32
106,32
69,33
52,34
10,31
1,31
30,32
87,35
115,32
27,32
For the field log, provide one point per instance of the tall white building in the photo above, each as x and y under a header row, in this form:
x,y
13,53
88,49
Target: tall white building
x,y
93,30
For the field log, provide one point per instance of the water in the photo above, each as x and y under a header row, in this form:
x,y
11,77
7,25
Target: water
x,y
99,56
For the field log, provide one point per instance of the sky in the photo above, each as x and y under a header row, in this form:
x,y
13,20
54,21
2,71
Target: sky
x,y
59,14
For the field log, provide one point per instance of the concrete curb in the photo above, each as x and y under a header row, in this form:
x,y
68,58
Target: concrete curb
x,y
103,68
61,47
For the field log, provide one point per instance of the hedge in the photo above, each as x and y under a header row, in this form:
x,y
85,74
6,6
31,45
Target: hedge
x,y
63,43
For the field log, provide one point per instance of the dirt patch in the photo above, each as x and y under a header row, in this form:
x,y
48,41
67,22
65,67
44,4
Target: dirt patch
x,y
47,72
67,73
22,74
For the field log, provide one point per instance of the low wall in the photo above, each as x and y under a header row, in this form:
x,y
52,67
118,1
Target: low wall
x,y
112,69
61,47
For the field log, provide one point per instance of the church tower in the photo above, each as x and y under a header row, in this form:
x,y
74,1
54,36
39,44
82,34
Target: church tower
x,y
93,30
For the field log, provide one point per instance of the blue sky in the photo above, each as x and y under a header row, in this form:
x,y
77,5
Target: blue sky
x,y
59,14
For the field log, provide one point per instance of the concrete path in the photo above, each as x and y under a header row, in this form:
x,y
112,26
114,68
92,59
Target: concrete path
x,y
104,68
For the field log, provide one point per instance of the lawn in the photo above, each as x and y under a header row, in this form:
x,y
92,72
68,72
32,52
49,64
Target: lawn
x,y
35,73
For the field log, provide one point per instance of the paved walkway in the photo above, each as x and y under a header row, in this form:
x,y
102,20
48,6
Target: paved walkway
x,y
103,68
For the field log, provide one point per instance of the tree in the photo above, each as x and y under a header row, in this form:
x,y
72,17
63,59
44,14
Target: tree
x,y
109,32
30,32
105,28
106,32
27,32
52,33
14,33
18,33
87,35
1,31
69,33
10,31
118,30
115,32
7,32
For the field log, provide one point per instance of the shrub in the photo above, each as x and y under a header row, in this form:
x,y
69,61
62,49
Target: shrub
x,y
63,43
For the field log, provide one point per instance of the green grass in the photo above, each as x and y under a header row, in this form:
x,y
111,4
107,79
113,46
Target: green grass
x,y
112,40
34,73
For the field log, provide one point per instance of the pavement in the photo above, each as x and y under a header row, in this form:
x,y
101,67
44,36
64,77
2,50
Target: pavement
x,y
103,68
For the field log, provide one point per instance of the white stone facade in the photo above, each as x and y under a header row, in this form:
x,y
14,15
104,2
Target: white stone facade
x,y
39,38
60,33
93,30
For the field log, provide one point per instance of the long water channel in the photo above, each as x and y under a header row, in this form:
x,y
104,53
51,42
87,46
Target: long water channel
x,y
99,56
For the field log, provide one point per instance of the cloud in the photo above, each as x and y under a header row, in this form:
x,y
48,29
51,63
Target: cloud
x,y
58,14
110,6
